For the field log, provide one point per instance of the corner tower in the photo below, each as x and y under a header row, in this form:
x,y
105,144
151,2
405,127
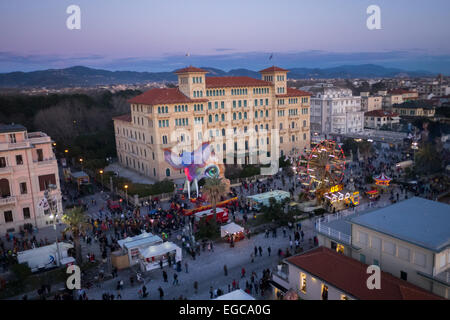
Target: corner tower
x,y
277,76
191,81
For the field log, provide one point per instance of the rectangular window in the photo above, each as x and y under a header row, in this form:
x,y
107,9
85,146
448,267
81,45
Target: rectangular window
x,y
26,213
46,180
19,160
8,216
389,247
2,162
403,275
23,188
40,154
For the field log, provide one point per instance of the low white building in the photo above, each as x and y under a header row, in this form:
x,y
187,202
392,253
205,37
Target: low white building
x,y
324,274
336,110
377,119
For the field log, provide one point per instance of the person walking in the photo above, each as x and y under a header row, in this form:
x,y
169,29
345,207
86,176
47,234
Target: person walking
x,y
225,270
165,276
195,287
269,250
161,293
186,267
175,279
256,251
243,273
211,292
260,251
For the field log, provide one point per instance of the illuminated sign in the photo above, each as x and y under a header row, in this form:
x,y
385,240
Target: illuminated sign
x,y
336,188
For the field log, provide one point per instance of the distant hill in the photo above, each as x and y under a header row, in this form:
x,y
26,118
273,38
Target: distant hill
x,y
79,76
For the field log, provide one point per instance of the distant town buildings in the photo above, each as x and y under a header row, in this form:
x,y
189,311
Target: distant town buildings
x,y
237,115
336,110
28,168
417,108
371,102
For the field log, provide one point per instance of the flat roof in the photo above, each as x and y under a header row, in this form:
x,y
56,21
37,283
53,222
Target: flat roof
x,y
419,221
264,197
5,128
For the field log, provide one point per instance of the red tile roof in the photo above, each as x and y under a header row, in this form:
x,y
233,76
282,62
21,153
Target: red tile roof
x,y
191,69
350,276
400,91
123,117
223,82
380,113
162,96
291,92
273,69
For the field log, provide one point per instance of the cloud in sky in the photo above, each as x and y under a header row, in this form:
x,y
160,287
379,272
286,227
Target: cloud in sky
x,y
409,60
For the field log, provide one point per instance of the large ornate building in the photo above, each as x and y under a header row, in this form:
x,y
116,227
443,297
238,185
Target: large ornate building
x,y
28,168
244,119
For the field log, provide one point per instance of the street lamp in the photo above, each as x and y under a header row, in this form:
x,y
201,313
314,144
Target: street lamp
x,y
126,193
81,161
101,175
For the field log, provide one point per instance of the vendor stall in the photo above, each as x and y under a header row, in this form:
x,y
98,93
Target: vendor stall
x,y
132,245
372,194
149,258
256,201
232,232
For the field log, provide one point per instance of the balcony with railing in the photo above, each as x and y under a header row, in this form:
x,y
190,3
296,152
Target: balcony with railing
x,y
9,200
6,170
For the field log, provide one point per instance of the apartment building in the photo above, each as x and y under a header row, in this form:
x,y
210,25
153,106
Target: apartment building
x,y
28,168
244,119
324,274
417,108
409,239
370,103
336,110
378,119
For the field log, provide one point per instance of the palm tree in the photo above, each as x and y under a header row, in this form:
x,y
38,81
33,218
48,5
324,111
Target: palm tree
x,y
427,159
215,188
77,222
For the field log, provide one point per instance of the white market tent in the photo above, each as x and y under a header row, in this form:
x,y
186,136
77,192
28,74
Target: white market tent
x,y
263,198
44,257
133,244
230,228
238,294
150,256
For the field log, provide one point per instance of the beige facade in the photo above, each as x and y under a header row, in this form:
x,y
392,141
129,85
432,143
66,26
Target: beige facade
x,y
377,119
413,111
370,103
244,119
27,168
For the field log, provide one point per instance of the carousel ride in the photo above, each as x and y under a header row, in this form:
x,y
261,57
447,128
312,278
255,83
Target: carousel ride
x,y
322,172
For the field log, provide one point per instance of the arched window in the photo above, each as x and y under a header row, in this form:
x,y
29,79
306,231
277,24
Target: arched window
x,y
223,132
167,172
240,115
210,118
234,116
216,117
223,117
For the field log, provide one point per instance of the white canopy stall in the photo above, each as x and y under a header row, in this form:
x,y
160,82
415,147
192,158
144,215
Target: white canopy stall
x,y
230,228
132,245
151,256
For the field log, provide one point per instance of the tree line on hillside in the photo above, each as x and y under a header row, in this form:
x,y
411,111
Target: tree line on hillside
x,y
80,123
